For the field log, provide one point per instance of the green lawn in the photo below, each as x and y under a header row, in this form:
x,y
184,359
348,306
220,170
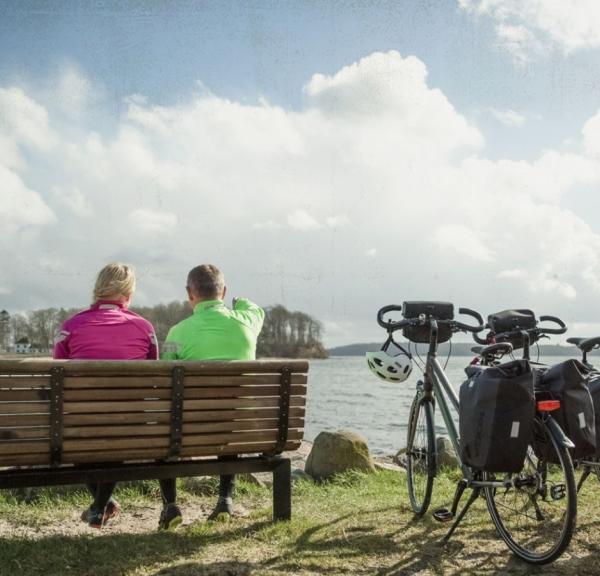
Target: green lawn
x,y
359,524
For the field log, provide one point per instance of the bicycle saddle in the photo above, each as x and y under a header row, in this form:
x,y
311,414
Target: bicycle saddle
x,y
585,344
493,349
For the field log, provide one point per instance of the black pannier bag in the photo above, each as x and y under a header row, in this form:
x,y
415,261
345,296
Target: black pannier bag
x,y
594,388
509,320
568,382
437,310
496,412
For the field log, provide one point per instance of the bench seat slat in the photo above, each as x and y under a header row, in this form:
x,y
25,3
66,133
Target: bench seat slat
x,y
134,455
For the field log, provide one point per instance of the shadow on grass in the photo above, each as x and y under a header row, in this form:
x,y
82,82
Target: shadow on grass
x,y
348,543
208,569
111,554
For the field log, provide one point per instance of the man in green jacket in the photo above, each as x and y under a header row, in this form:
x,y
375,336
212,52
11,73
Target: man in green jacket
x,y
212,332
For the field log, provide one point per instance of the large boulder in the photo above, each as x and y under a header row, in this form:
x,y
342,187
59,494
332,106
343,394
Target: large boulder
x,y
336,452
446,456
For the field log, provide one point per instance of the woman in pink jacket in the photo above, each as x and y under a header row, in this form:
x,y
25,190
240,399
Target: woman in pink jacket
x,y
109,331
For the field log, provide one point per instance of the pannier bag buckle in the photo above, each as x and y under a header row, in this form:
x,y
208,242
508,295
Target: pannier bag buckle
x,y
548,405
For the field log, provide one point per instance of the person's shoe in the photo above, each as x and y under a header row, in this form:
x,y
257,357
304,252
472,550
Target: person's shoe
x,y
96,518
170,517
224,506
112,509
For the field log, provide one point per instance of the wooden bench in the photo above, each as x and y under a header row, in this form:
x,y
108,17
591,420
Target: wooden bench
x,y
70,422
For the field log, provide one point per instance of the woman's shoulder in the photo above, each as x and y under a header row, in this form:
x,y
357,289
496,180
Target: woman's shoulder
x,y
77,318
139,320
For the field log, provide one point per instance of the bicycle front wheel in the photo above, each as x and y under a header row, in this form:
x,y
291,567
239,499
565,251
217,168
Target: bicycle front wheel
x,y
420,454
535,512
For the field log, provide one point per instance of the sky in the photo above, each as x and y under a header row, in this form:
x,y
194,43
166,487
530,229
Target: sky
x,y
330,156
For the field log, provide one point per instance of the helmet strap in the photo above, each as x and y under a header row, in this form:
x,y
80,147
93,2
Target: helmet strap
x,y
390,340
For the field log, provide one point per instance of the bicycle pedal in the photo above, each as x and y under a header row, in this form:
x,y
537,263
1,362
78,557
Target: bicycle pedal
x,y
443,515
558,492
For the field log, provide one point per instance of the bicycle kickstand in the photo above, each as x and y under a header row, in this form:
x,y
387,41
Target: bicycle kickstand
x,y
474,495
584,475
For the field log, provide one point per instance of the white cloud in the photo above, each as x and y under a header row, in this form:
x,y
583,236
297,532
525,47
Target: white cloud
x,y
267,225
24,120
532,28
508,117
513,273
20,206
153,221
74,200
74,91
463,240
591,136
377,158
302,220
337,221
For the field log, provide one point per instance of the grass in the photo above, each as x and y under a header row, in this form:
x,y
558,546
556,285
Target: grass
x,y
358,524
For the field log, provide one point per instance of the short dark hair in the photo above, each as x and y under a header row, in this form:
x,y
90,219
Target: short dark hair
x,y
206,281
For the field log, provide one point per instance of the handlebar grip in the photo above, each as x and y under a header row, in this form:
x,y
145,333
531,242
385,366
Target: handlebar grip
x,y
389,324
473,314
561,330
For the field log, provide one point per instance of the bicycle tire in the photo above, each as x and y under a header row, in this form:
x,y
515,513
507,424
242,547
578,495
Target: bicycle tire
x,y
420,454
544,520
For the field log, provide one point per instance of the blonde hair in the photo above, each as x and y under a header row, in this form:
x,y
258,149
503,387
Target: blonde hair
x,y
114,279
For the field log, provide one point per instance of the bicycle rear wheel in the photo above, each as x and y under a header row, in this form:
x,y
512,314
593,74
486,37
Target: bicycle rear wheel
x,y
420,454
535,515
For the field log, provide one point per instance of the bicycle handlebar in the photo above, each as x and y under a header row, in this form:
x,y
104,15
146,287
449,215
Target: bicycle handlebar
x,y
561,330
392,326
389,324
467,327
537,331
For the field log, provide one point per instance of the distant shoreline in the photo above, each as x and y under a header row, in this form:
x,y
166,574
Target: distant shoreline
x,y
458,349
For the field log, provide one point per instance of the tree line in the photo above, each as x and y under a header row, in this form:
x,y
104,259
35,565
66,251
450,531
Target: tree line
x,y
284,334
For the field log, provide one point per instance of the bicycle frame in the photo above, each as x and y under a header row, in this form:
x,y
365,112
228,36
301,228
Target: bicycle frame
x,y
436,387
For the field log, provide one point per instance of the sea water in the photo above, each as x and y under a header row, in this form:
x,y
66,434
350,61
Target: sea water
x,y
344,395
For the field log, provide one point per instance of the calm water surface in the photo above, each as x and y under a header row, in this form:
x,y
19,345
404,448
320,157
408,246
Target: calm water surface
x,y
343,394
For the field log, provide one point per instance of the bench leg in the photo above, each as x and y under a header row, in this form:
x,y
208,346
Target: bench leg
x,y
282,490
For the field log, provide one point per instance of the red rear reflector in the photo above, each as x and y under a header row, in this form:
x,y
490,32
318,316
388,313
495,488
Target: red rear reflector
x,y
548,405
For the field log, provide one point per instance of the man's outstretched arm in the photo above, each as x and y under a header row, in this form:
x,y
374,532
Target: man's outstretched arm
x,y
249,313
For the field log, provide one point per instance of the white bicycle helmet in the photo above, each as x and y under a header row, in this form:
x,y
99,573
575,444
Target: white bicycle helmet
x,y
395,368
